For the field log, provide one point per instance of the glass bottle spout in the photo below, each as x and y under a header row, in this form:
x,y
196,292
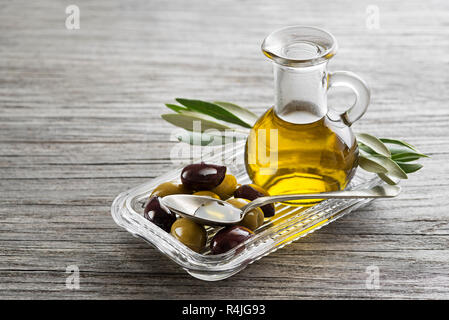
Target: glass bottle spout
x,y
300,55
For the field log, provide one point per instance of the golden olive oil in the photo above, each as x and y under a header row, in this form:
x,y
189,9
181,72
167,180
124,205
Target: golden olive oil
x,y
286,158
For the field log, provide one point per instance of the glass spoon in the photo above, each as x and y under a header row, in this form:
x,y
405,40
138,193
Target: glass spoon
x,y
214,212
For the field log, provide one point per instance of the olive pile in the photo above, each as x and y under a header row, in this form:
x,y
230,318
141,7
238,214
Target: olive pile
x,y
207,180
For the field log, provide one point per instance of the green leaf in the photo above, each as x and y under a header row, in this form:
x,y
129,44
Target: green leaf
x,y
175,107
372,142
389,166
407,156
396,148
409,167
385,177
243,113
371,165
212,110
398,142
186,121
366,149
393,168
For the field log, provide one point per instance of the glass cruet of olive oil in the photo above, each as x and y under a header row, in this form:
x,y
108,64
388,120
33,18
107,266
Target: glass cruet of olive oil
x,y
300,145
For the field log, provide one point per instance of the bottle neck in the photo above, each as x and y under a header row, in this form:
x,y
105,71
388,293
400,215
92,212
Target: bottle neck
x,y
300,93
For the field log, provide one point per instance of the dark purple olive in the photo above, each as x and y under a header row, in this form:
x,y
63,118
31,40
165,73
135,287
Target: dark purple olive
x,y
228,238
159,214
251,192
202,176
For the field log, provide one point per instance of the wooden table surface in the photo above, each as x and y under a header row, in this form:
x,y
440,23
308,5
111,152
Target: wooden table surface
x,y
79,123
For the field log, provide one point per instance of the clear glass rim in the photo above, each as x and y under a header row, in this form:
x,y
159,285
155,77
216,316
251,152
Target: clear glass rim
x,y
275,43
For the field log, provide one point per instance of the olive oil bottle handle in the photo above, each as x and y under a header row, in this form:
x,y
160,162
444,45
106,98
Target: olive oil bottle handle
x,y
361,90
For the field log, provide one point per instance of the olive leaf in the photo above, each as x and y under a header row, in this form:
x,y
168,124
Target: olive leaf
x,y
186,120
212,110
391,167
407,156
373,143
402,151
409,167
396,148
398,142
371,164
175,107
385,177
366,148
244,114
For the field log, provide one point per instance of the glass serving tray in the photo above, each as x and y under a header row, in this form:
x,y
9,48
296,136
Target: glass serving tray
x,y
289,224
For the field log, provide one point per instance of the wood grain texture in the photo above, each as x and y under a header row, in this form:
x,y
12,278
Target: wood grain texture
x,y
79,123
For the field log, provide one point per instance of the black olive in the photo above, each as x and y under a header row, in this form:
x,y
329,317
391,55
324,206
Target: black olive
x,y
228,238
202,176
252,192
159,214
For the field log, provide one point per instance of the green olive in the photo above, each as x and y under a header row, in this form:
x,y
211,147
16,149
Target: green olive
x,y
207,194
189,233
253,219
227,187
168,188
